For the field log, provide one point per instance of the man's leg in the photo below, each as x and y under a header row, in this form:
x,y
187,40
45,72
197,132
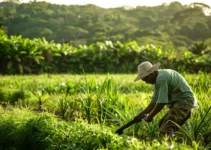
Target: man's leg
x,y
177,115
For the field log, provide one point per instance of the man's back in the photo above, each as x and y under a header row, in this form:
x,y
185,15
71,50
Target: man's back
x,y
171,87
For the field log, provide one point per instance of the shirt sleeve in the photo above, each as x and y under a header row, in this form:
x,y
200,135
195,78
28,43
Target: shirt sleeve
x,y
154,97
160,92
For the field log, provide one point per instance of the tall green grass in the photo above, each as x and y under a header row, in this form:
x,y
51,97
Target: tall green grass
x,y
23,130
106,100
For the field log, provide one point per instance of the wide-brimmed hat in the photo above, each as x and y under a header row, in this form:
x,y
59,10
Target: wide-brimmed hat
x,y
146,68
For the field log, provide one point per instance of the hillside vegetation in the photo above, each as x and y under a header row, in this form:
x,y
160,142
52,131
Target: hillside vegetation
x,y
164,25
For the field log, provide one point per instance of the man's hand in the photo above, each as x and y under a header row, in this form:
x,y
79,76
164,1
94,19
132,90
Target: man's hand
x,y
148,118
137,118
158,107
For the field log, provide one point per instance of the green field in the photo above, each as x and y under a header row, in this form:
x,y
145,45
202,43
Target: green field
x,y
55,89
83,111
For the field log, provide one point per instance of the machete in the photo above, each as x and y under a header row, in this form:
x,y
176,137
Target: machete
x,y
120,130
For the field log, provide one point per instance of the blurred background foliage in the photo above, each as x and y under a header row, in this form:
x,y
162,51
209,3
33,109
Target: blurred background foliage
x,y
176,24
24,56
40,37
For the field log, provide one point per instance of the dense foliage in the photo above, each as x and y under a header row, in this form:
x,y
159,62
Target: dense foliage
x,y
93,39
174,24
24,56
24,130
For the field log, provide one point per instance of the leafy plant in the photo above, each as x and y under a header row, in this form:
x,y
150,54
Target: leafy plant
x,y
42,97
63,106
198,48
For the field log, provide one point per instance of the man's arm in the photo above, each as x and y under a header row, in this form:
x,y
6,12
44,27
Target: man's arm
x,y
147,110
155,111
161,94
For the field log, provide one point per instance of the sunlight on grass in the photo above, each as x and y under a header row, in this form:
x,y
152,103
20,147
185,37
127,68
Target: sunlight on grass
x,y
108,100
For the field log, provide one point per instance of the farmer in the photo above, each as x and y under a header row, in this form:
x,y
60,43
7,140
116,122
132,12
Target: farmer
x,y
170,89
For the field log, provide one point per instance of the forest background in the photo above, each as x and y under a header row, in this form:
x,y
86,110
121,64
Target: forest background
x,y
176,35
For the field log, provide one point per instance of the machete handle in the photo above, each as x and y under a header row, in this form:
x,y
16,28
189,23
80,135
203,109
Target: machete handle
x,y
120,130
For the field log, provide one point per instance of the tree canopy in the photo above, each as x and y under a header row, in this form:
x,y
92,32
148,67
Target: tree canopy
x,y
85,24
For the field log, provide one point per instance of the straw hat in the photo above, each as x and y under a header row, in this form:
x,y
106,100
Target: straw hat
x,y
146,68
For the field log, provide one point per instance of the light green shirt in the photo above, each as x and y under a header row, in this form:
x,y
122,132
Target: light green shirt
x,y
171,88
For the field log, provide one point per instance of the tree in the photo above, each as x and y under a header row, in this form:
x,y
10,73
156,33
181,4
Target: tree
x,y
181,41
147,22
188,16
3,31
13,1
185,30
198,48
71,33
200,31
55,23
33,32
47,33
